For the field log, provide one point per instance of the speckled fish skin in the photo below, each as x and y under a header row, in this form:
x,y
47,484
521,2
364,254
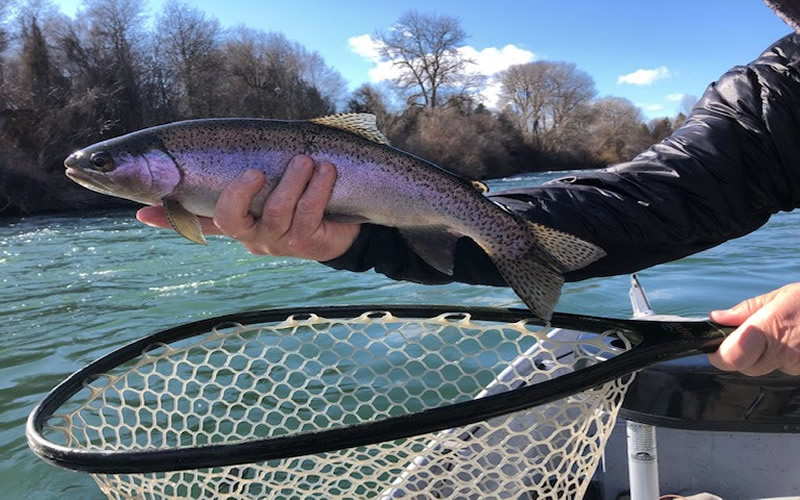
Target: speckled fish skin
x,y
191,163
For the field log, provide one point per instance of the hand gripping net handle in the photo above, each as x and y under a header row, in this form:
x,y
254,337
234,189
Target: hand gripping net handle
x,y
225,389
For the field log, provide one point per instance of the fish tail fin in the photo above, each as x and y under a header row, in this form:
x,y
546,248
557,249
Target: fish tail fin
x,y
536,283
535,270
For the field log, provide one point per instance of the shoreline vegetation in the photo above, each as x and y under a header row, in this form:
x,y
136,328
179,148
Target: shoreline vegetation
x,y
66,83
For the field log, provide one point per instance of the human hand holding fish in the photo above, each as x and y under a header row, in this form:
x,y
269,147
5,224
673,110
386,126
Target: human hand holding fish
x,y
292,222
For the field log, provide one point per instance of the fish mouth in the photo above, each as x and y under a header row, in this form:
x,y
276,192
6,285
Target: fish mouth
x,y
79,176
88,180
73,173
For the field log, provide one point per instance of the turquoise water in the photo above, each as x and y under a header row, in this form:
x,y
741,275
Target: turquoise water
x,y
74,288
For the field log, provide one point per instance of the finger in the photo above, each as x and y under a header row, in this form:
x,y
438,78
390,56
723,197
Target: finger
x,y
231,214
737,314
311,205
157,217
741,350
280,206
792,368
153,216
766,364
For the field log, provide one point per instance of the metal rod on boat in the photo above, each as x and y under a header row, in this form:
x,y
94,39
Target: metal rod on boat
x,y
642,446
642,461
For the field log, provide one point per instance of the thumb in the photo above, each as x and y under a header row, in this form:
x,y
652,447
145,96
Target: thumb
x,y
737,314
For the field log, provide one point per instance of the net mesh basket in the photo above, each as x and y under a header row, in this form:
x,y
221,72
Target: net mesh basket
x,y
306,372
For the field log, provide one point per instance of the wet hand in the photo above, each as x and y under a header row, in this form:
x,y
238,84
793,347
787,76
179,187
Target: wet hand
x,y
768,337
292,222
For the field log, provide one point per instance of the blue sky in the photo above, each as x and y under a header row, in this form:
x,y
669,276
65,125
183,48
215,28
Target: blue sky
x,y
649,52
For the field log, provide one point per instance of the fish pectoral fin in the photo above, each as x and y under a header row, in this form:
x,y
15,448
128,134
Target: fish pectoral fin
x,y
570,252
361,124
184,222
435,245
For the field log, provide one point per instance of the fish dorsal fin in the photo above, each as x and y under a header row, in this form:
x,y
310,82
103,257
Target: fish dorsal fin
x,y
361,124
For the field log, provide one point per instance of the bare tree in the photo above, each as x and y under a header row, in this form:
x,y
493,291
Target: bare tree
x,y
449,139
659,128
368,99
572,91
524,93
425,51
266,71
328,82
35,70
115,44
190,44
617,131
475,145
549,101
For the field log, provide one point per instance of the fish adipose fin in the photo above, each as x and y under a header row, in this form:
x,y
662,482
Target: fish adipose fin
x,y
360,124
480,187
184,222
435,245
536,272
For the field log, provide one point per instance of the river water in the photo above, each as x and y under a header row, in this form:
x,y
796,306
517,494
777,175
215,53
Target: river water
x,y
75,287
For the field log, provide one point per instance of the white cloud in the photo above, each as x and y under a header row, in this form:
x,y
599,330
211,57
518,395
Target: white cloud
x,y
492,60
365,46
652,107
488,61
369,48
645,76
675,97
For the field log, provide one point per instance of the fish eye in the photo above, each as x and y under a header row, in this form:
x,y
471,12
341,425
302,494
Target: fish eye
x,y
102,161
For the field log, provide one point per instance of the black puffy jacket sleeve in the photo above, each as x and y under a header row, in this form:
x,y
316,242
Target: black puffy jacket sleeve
x,y
733,163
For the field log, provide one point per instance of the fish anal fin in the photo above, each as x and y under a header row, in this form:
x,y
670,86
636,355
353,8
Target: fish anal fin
x,y
570,252
435,245
183,221
361,124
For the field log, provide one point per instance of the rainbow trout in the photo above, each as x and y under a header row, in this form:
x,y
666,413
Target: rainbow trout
x,y
184,166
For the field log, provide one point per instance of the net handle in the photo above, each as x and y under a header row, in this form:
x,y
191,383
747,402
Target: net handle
x,y
657,340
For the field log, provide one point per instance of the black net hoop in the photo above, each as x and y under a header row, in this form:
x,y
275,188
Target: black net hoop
x,y
131,426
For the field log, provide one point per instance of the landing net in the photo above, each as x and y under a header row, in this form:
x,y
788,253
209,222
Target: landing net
x,y
307,372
